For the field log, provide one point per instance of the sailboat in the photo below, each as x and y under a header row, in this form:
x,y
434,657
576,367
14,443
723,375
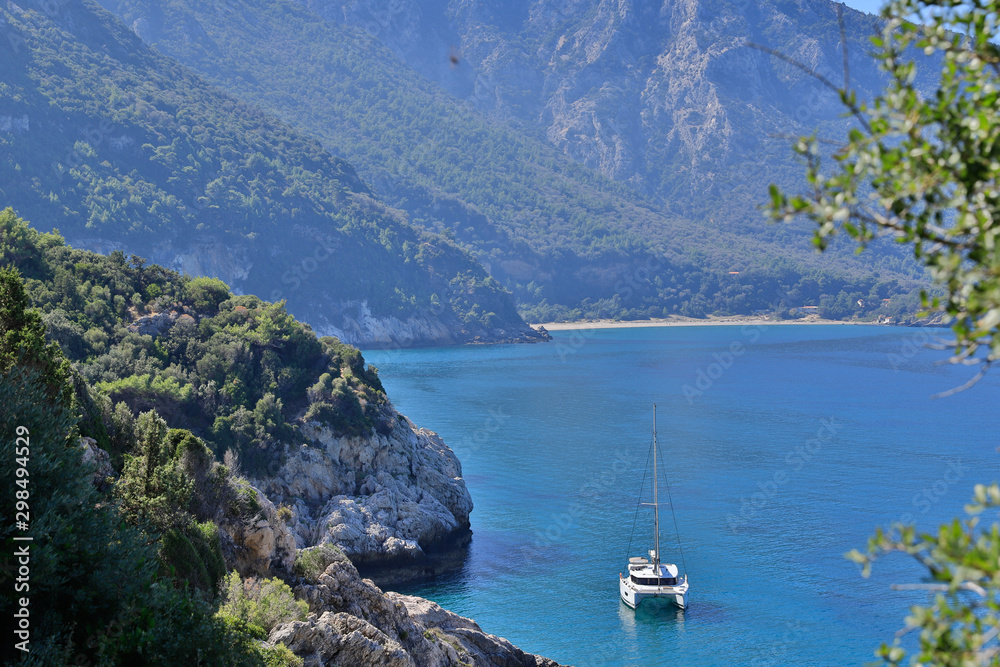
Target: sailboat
x,y
648,576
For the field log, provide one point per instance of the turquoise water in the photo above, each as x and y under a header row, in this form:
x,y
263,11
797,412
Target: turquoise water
x,y
785,446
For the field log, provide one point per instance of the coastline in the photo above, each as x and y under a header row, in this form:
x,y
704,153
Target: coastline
x,y
732,320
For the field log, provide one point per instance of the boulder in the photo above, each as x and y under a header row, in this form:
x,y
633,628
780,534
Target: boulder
x,y
99,459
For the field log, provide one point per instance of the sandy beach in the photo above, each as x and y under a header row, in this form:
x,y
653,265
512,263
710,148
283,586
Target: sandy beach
x,y
687,322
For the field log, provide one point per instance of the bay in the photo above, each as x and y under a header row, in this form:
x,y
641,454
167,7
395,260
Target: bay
x,y
785,446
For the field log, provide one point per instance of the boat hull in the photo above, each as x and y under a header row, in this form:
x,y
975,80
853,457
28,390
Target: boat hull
x,y
633,595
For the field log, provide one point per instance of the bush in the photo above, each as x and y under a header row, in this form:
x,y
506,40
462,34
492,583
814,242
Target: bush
x,y
194,555
313,561
206,294
280,656
261,602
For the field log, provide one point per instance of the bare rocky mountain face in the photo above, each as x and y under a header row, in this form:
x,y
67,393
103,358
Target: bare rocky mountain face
x,y
665,96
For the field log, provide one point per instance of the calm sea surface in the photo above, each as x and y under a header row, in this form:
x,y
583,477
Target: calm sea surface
x,y
784,446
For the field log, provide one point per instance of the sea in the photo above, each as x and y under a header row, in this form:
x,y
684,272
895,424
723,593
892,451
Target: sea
x,y
783,446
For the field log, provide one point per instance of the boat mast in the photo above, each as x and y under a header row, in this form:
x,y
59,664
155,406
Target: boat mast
x,y
656,504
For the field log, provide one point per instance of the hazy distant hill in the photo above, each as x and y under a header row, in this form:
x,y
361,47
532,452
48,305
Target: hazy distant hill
x,y
565,238
121,147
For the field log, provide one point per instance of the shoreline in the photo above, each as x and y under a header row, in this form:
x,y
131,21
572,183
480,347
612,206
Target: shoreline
x,y
733,320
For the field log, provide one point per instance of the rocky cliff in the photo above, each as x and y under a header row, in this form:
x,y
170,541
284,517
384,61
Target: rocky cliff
x,y
385,497
354,623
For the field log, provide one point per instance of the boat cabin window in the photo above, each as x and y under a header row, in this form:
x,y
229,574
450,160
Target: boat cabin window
x,y
655,581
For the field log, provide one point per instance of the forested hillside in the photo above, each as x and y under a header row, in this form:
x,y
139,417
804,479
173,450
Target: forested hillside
x,y
231,368
120,147
567,240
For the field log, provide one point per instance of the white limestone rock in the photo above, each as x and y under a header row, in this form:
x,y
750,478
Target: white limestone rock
x,y
261,543
354,623
382,497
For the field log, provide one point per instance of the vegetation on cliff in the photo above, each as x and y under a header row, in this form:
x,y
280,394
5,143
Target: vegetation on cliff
x,y
169,374
233,369
102,581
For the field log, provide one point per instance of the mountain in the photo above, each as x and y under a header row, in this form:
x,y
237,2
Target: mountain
x,y
670,97
567,240
122,148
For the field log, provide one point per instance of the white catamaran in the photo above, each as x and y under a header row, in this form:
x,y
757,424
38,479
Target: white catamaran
x,y
648,577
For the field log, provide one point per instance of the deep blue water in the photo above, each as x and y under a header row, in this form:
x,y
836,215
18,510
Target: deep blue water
x,y
832,427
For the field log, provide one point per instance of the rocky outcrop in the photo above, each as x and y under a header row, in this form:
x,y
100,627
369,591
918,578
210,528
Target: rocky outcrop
x,y
354,623
482,647
259,545
155,324
383,497
99,459
354,323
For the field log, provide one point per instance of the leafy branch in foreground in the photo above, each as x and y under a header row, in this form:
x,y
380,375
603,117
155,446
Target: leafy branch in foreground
x,y
960,626
923,166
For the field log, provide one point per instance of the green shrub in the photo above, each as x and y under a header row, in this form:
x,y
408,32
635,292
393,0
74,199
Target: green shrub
x,y
280,656
285,513
313,561
194,555
261,602
245,501
147,386
206,294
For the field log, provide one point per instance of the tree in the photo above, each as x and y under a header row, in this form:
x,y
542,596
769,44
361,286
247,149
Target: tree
x,y
95,596
22,339
924,168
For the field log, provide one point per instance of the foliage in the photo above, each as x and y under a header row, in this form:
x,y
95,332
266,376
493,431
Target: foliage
x,y
206,294
924,167
171,485
313,561
963,563
194,555
95,595
263,603
22,338
236,375
280,656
